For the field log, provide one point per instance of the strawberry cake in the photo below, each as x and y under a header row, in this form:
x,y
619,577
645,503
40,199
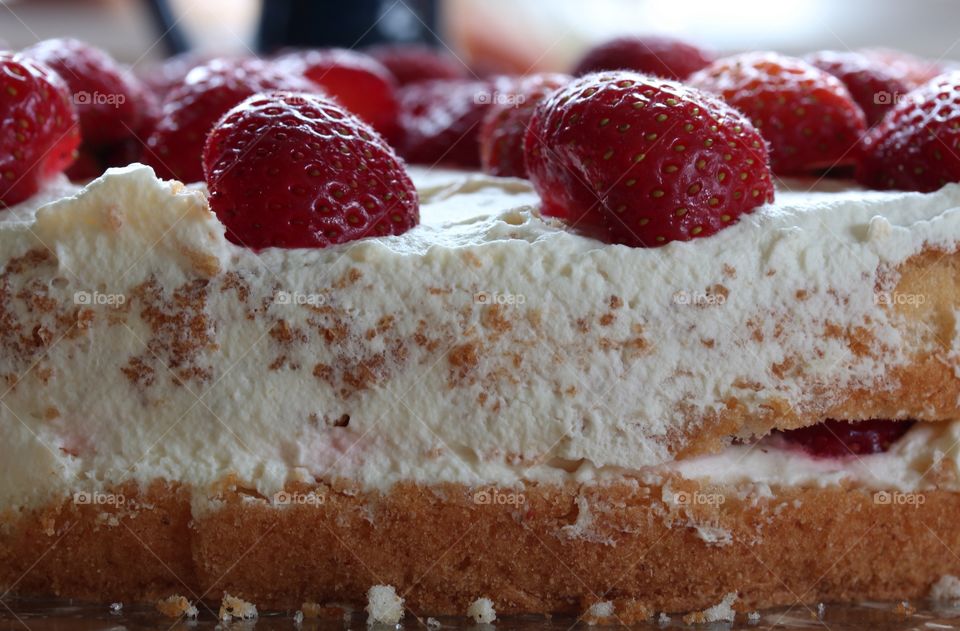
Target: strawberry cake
x,y
640,357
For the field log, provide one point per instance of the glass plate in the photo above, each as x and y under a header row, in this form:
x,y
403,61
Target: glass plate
x,y
60,615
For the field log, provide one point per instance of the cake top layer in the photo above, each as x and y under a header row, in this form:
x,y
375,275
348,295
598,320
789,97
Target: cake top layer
x,y
486,345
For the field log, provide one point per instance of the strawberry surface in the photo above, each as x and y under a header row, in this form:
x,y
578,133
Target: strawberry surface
x,y
297,170
916,147
39,127
189,111
357,81
644,161
665,57
806,114
505,124
837,439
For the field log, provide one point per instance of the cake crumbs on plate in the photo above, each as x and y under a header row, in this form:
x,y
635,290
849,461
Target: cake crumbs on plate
x,y
116,608
946,589
433,623
753,617
904,608
721,612
173,607
383,605
482,611
600,612
663,619
232,607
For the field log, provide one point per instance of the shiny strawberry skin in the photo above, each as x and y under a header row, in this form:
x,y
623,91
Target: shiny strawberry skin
x,y
39,127
838,439
916,147
806,114
410,63
190,110
440,121
912,70
296,170
644,161
873,87
110,100
505,124
357,81
658,56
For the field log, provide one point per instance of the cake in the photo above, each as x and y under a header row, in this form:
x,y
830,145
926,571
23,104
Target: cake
x,y
638,373
425,410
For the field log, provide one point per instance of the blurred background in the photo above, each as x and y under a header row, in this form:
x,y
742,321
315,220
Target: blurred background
x,y
492,35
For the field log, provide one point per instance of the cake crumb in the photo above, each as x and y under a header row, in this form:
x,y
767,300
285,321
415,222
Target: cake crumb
x,y
904,608
383,605
721,612
599,613
116,608
482,611
663,619
232,607
753,617
172,607
298,618
946,589
433,623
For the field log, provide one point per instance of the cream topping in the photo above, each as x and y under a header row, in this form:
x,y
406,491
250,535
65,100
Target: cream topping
x,y
487,345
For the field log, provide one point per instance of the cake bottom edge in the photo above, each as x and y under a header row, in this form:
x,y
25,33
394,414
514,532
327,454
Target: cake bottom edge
x,y
674,546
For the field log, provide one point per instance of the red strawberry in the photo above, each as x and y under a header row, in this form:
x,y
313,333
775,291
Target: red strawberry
x,y
873,87
109,98
87,166
806,114
645,160
162,76
440,120
916,146
358,82
296,170
190,110
835,439
505,124
410,63
660,56
912,70
39,133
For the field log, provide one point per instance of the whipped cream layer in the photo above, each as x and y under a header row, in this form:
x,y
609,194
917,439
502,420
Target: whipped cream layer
x,y
487,345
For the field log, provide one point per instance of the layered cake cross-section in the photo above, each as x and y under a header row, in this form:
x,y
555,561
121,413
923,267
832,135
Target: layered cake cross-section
x,y
663,357
298,425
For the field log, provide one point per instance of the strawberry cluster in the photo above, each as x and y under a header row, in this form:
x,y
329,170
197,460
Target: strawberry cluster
x,y
655,140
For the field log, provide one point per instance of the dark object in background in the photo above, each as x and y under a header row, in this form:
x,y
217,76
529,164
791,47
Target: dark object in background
x,y
320,23
171,36
359,23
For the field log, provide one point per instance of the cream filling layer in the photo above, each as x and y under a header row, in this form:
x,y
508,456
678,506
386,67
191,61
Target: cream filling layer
x,y
489,345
